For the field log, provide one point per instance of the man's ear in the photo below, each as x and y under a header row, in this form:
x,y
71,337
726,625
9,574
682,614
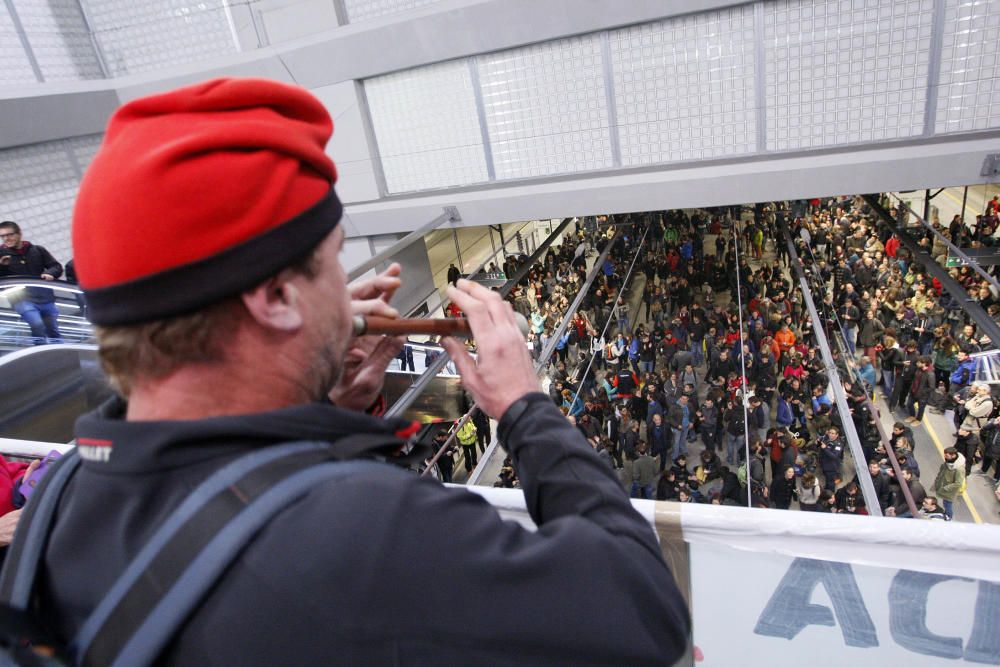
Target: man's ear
x,y
275,304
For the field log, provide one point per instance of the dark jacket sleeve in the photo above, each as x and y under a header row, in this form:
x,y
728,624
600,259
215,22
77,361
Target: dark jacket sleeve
x,y
51,266
488,584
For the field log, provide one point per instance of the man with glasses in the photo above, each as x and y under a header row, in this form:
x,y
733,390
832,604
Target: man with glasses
x,y
35,305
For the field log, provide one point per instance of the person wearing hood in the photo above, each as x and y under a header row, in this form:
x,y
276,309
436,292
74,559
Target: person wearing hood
x,y
950,481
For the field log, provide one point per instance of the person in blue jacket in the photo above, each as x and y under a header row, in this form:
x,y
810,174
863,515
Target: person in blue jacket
x,y
227,329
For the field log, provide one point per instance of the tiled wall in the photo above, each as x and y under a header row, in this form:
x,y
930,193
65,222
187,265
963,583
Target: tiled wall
x,y
841,72
142,35
38,186
968,96
59,39
684,88
545,108
777,76
15,68
427,127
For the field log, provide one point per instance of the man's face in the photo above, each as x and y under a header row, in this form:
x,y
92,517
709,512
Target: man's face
x,y
326,306
874,469
10,238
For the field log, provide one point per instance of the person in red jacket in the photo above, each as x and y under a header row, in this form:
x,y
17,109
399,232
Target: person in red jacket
x,y
891,246
11,500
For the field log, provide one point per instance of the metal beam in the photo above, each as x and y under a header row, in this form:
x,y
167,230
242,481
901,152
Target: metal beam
x,y
25,42
418,387
840,397
985,323
484,126
450,215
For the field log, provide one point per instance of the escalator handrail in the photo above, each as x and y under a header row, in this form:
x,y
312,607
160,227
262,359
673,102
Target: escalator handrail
x,y
25,281
44,349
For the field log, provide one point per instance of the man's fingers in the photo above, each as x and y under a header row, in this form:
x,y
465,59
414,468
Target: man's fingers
x,y
374,306
382,285
475,310
464,362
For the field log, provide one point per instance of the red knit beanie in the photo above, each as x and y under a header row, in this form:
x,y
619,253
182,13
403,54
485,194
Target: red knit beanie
x,y
200,193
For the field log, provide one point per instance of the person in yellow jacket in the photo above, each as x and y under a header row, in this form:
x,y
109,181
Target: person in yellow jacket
x,y
467,438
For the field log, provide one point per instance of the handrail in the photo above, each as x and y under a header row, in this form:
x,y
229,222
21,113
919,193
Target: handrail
x,y
969,261
850,432
883,435
969,305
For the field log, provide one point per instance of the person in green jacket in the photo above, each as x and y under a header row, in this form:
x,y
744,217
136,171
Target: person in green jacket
x,y
467,438
945,357
950,481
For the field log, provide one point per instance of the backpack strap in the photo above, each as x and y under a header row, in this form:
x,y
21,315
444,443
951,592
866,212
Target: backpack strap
x,y
171,575
20,568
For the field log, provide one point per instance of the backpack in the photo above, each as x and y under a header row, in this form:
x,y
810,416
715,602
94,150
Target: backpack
x,y
186,556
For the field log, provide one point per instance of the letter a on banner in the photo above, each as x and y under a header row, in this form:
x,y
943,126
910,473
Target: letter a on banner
x,y
789,611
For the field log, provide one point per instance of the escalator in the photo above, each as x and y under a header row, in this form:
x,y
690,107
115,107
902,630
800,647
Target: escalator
x,y
44,388
14,332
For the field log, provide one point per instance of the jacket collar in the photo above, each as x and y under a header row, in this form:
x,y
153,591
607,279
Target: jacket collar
x,y
106,439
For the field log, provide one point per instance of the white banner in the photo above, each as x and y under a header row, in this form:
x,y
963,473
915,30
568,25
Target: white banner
x,y
752,608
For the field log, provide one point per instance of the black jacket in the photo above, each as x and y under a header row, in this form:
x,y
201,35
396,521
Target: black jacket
x,y
30,261
384,567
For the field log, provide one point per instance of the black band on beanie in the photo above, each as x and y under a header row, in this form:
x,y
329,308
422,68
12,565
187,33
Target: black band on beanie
x,y
187,288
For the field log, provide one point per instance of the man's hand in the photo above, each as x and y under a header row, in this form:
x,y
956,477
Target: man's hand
x,y
46,276
504,372
8,523
5,260
368,356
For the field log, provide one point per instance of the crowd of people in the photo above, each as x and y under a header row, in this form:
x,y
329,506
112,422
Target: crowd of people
x,y
702,384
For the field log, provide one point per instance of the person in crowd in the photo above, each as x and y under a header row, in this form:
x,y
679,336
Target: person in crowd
x,y
644,473
783,489
930,509
466,437
850,500
831,446
35,304
921,388
967,445
977,408
190,402
950,481
808,491
990,438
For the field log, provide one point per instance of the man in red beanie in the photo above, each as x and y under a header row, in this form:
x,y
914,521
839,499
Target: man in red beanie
x,y
206,238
